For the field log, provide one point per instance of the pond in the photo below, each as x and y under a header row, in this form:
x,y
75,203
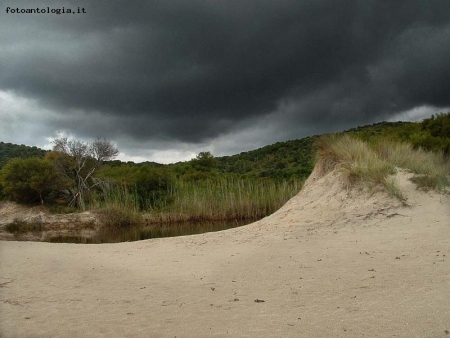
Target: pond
x,y
117,235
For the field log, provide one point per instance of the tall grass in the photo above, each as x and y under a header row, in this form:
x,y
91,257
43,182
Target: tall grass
x,y
432,168
224,199
360,162
117,207
219,199
356,160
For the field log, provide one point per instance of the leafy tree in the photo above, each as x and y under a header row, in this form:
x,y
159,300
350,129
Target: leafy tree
x,y
79,161
28,180
204,161
439,125
435,134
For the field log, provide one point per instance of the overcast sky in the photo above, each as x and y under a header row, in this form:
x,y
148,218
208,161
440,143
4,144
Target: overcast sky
x,y
166,79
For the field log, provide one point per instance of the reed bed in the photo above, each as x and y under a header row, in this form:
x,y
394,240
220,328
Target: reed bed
x,y
117,207
185,201
224,199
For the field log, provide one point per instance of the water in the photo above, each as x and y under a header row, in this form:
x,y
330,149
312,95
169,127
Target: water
x,y
117,235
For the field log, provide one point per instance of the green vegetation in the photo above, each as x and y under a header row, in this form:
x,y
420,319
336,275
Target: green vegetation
x,y
194,201
432,134
8,151
224,199
118,207
282,160
153,187
248,185
29,179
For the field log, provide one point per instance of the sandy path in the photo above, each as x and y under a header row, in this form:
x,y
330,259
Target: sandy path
x,y
330,263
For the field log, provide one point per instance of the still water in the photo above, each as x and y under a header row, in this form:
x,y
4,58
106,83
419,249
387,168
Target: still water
x,y
117,235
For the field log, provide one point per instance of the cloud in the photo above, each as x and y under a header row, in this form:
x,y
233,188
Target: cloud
x,y
209,74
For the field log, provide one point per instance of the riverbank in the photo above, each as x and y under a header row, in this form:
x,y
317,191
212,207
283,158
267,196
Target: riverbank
x,y
38,224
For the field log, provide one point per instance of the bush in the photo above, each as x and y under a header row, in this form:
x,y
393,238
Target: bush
x,y
434,134
28,180
153,186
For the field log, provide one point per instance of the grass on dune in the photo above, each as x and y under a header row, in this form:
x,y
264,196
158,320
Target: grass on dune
x,y
431,168
361,162
354,158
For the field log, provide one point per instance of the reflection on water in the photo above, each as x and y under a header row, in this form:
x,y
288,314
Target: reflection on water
x,y
116,235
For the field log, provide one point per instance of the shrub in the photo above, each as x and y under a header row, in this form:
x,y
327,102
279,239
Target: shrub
x,y
152,186
28,180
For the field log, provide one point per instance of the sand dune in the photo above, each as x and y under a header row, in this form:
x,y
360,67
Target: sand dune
x,y
330,263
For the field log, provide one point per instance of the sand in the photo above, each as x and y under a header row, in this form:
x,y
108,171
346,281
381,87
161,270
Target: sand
x,y
330,263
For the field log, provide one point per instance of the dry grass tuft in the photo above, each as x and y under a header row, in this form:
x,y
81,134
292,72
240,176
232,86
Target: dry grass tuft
x,y
361,163
354,158
431,169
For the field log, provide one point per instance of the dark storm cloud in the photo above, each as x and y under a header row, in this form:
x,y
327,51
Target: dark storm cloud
x,y
192,70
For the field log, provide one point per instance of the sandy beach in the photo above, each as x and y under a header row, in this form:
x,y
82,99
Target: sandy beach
x,y
330,263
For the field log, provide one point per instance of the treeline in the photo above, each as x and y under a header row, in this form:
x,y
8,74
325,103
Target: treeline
x,y
8,151
432,134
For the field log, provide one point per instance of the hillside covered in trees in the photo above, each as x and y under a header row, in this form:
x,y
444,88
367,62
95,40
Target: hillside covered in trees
x,y
8,151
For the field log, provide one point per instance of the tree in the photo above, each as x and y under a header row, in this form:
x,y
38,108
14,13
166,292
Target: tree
x,y
27,180
439,125
434,134
204,161
79,161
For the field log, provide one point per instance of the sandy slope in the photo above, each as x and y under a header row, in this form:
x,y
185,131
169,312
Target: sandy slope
x,y
330,263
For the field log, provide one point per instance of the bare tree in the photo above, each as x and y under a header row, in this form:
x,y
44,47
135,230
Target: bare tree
x,y
78,161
